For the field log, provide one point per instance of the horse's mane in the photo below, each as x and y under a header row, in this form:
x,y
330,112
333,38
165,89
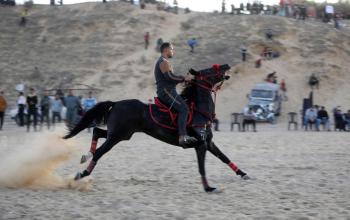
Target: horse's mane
x,y
189,92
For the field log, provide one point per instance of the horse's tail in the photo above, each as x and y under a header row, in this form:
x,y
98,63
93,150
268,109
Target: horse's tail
x,y
97,113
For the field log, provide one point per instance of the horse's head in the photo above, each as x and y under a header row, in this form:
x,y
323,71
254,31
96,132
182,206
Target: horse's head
x,y
211,77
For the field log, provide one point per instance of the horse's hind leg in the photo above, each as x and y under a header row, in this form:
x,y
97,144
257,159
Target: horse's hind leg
x,y
105,147
212,148
96,134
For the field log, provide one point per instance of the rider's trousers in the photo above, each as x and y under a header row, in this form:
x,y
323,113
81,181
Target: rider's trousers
x,y
175,101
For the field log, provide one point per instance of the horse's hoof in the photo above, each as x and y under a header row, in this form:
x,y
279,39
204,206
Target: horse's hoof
x,y
86,157
77,176
245,177
83,159
212,190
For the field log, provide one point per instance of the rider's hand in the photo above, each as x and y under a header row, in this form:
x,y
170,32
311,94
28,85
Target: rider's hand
x,y
188,78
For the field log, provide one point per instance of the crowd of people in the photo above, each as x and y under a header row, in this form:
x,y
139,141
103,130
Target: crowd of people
x,y
33,110
318,115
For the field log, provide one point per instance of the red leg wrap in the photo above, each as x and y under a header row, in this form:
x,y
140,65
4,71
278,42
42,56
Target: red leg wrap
x,y
93,146
233,166
91,166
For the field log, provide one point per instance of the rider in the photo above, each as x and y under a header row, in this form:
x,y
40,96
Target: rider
x,y
166,82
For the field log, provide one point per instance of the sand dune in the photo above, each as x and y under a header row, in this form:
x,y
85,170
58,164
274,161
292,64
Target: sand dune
x,y
102,45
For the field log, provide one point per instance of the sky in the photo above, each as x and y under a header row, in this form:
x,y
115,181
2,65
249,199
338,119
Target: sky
x,y
195,5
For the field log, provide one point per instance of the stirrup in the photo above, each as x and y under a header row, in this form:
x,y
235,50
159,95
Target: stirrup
x,y
187,140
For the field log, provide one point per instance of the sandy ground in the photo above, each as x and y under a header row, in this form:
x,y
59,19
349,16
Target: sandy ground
x,y
295,175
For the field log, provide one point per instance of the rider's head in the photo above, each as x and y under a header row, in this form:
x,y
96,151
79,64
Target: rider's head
x,y
167,50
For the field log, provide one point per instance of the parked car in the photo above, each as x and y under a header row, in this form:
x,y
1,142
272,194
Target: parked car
x,y
266,101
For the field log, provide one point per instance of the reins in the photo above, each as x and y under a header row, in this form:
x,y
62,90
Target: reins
x,y
209,86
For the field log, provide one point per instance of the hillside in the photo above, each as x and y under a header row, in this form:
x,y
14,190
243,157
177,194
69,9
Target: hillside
x,y
102,45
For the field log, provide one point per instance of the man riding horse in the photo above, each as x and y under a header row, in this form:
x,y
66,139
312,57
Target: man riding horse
x,y
166,82
126,117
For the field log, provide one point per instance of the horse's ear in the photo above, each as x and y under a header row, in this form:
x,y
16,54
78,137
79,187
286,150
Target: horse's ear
x,y
193,72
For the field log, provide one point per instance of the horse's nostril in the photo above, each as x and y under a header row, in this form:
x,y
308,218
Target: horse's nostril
x,y
227,77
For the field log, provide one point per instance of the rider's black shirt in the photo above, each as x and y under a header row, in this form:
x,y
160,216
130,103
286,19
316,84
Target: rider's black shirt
x,y
165,81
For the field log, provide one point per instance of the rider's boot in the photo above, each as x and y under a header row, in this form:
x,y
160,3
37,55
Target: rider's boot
x,y
185,141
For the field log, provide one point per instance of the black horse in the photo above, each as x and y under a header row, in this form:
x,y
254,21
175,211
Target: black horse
x,y
124,118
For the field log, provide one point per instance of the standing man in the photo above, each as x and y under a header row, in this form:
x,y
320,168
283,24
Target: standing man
x,y
146,37
32,102
166,82
24,15
3,106
310,117
243,50
73,104
88,104
21,103
192,43
322,118
45,105
159,44
56,107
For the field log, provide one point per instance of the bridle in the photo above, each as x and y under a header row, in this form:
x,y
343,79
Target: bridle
x,y
204,83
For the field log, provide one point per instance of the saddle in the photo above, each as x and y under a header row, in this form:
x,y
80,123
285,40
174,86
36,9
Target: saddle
x,y
166,117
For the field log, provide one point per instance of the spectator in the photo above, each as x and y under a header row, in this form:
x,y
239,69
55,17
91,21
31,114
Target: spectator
x,y
283,88
249,118
21,103
313,81
269,34
303,12
258,63
271,78
322,118
89,102
159,43
73,105
45,105
3,106
24,16
347,119
339,120
192,43
336,21
32,102
223,9
310,117
243,50
142,4
269,53
56,107
146,38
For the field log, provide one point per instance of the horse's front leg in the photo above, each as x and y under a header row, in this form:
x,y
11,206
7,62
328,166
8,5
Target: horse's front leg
x,y
212,148
201,152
